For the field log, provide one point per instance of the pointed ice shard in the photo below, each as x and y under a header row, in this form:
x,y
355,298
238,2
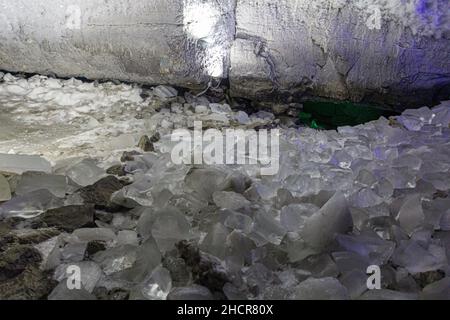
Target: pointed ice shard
x,y
334,217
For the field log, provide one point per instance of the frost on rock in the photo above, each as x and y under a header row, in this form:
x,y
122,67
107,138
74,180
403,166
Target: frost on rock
x,y
142,227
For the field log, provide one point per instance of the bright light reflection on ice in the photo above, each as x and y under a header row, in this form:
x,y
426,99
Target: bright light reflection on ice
x,y
200,23
200,19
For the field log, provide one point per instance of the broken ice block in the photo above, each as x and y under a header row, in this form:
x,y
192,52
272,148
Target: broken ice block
x,y
73,252
85,173
220,108
362,215
365,198
321,289
32,181
147,258
334,217
19,164
293,216
30,205
241,117
417,259
411,214
442,114
356,283
230,200
116,259
127,237
370,246
341,159
170,226
214,241
156,287
415,119
206,181
266,229
238,221
440,180
5,189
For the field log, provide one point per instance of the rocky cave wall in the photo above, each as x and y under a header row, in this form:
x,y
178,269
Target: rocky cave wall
x,y
394,52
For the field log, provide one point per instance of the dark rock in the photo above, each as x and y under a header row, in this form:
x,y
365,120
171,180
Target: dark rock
x,y
30,284
206,269
440,194
129,156
103,216
178,271
145,144
155,138
93,247
117,170
426,278
33,236
99,194
16,259
5,228
69,218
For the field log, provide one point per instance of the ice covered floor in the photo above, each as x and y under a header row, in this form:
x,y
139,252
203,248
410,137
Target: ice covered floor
x,y
140,227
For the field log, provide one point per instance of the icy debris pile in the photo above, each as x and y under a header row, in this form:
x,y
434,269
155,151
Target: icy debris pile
x,y
145,228
61,119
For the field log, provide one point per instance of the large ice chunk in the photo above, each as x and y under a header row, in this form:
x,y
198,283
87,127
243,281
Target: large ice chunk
x,y
374,249
417,259
85,173
19,164
156,287
411,214
30,205
32,181
170,226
